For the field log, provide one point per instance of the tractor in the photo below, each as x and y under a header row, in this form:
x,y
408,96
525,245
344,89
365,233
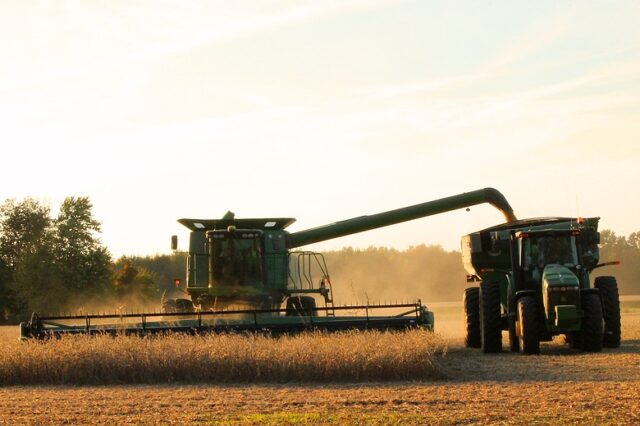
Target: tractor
x,y
534,282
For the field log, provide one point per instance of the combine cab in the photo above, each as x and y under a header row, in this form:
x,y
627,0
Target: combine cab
x,y
534,281
245,274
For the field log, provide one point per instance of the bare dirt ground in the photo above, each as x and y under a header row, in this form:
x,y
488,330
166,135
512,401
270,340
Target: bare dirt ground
x,y
558,387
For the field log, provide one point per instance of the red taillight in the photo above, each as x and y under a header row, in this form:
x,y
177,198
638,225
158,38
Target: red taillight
x,y
177,282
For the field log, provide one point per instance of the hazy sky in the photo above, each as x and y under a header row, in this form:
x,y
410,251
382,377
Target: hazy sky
x,y
322,111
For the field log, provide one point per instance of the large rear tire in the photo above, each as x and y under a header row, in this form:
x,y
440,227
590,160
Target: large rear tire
x,y
592,324
490,317
529,338
608,288
471,305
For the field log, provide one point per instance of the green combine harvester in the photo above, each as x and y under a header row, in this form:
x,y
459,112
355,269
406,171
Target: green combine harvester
x,y
245,275
534,281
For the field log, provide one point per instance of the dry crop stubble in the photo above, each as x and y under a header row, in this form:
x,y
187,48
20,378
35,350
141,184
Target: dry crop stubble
x,y
225,358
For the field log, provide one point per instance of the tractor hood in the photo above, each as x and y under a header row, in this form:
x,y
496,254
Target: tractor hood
x,y
558,275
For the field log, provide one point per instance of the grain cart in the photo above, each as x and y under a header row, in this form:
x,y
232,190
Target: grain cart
x,y
534,281
245,274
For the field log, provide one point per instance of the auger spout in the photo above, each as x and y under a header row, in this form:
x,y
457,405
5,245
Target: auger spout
x,y
430,208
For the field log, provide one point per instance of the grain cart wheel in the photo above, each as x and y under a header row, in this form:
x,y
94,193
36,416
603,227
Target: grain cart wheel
x,y
301,306
574,339
184,305
529,333
471,305
490,321
514,340
592,324
608,288
168,306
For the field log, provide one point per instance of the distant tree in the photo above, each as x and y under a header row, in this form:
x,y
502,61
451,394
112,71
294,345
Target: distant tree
x,y
82,261
25,233
627,251
45,264
164,268
135,282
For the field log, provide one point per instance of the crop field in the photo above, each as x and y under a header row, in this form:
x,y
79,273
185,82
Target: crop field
x,y
377,378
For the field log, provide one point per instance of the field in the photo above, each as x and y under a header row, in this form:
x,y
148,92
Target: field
x,y
559,386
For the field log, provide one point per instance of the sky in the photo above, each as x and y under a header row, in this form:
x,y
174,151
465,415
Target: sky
x,y
321,111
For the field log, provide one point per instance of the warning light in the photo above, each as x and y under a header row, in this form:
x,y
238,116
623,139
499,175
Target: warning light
x,y
580,220
177,282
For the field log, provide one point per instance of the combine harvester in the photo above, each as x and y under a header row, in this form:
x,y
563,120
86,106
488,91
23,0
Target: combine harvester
x,y
243,275
534,281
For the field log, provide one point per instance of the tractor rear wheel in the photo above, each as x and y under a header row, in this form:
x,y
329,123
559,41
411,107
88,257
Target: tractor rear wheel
x,y
490,317
471,305
592,327
529,333
301,306
608,288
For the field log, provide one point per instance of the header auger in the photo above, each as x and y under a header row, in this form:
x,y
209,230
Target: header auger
x,y
244,274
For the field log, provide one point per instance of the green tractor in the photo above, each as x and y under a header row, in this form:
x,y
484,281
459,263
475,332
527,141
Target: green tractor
x,y
534,281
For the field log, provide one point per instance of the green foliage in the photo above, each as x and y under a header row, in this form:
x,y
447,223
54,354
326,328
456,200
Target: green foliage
x,y
627,251
135,282
48,264
162,268
83,262
24,231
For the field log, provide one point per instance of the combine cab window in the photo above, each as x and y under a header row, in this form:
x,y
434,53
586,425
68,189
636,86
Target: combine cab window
x,y
236,261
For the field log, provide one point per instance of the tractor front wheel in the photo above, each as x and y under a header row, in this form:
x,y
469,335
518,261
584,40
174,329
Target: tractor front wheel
x,y
592,329
471,305
490,317
529,333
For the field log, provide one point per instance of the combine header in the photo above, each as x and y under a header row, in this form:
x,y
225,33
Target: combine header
x,y
245,275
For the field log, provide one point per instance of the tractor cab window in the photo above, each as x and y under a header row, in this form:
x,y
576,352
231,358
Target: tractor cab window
x,y
235,258
545,250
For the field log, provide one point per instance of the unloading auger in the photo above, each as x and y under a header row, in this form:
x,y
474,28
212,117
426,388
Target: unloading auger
x,y
245,275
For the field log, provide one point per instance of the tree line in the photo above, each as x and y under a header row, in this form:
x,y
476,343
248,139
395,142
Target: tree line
x,y
54,263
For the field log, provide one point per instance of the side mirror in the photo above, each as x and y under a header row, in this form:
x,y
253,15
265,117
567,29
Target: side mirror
x,y
174,242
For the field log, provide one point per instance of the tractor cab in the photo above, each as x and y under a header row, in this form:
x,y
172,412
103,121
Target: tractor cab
x,y
543,254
